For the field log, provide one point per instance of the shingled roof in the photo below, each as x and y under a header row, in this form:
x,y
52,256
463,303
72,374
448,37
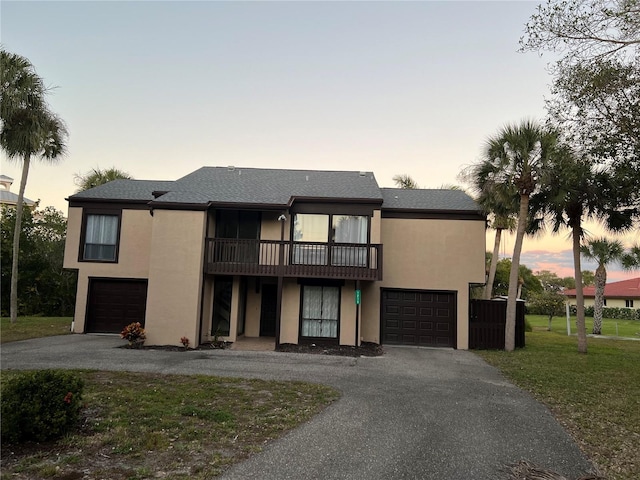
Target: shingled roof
x,y
276,188
124,190
437,200
257,186
624,289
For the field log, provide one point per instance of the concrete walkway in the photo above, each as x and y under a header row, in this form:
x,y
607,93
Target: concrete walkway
x,y
411,414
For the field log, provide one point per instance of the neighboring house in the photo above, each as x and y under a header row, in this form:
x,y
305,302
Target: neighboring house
x,y
624,294
228,252
7,197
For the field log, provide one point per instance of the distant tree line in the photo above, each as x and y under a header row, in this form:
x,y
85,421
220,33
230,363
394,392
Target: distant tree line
x,y
44,287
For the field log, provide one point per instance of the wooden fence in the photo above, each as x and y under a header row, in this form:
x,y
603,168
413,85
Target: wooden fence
x,y
487,320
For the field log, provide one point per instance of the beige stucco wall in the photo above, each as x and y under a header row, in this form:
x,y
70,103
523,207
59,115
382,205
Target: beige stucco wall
x,y
270,227
252,317
428,254
133,255
376,221
290,316
175,276
348,314
370,312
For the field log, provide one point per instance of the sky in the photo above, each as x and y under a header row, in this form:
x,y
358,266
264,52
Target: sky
x,y
159,89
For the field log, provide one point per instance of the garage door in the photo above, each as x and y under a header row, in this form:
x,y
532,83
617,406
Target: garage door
x,y
419,317
113,304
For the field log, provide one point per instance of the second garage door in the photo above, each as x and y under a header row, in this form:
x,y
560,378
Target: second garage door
x,y
114,304
419,317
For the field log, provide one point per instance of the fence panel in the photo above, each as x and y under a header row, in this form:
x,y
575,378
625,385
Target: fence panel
x,y
487,319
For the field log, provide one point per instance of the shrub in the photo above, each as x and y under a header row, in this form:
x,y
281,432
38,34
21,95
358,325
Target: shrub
x,y
41,405
185,342
611,312
134,334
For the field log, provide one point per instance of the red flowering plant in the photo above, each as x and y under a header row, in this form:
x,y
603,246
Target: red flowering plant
x,y
185,342
134,334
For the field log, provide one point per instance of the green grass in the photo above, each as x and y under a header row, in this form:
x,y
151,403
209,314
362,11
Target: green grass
x,y
625,328
33,327
135,425
596,396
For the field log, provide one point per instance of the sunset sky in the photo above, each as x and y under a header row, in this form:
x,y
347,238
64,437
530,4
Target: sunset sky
x,y
159,89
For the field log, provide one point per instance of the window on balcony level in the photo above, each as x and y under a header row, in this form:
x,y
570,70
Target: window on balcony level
x,y
319,237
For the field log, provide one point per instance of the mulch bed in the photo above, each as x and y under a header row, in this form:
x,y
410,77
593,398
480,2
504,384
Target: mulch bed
x,y
365,350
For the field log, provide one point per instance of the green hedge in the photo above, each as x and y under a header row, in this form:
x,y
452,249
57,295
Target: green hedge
x,y
612,312
40,405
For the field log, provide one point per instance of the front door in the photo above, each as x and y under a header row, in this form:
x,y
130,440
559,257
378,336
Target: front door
x,y
268,307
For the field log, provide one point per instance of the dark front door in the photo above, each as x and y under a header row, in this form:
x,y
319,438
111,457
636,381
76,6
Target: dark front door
x,y
419,317
268,307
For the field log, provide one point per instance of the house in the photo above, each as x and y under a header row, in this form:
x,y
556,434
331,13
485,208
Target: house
x,y
7,197
299,255
624,294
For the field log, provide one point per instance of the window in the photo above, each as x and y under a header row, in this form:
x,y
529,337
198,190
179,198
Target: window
x,y
310,228
349,229
314,238
628,303
243,227
320,311
100,237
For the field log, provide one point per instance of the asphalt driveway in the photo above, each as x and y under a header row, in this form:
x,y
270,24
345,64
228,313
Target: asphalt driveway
x,y
413,413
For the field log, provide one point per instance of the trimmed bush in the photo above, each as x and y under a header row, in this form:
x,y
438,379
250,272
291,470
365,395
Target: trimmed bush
x,y
41,405
134,334
616,313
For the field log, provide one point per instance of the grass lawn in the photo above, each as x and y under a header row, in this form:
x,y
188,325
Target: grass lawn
x,y
625,328
138,426
33,327
596,396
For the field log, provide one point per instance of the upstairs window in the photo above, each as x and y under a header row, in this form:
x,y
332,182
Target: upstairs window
x,y
330,240
100,242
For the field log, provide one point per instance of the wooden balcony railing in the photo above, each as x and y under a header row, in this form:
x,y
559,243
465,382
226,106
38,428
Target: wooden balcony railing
x,y
349,261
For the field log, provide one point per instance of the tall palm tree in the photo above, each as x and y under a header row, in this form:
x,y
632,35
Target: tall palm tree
x,y
499,203
572,190
29,130
96,177
515,158
603,251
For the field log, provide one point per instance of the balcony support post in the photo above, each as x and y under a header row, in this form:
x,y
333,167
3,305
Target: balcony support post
x,y
282,220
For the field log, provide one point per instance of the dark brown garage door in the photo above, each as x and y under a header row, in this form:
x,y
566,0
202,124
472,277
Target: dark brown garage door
x,y
113,304
419,317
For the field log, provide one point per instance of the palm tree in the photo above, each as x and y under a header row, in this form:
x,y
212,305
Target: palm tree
x,y
96,177
405,181
29,130
573,190
603,251
514,159
499,203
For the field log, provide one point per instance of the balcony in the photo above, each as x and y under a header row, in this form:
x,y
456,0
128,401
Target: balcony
x,y
347,261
